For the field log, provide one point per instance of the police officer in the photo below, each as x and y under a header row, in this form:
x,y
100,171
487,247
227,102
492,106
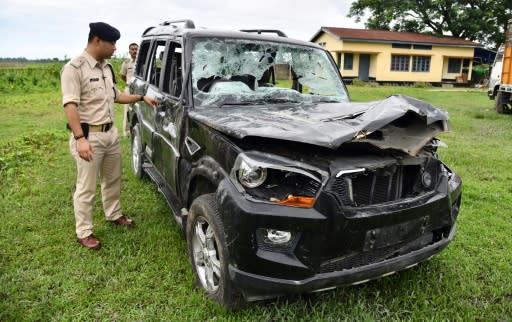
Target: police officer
x,y
127,74
128,66
88,96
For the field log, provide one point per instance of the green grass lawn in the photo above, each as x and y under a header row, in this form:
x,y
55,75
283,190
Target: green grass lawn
x,y
144,273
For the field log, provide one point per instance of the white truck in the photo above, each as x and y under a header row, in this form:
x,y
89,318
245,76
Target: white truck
x,y
500,81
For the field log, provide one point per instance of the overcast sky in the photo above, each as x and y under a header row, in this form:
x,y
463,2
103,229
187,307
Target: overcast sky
x,y
59,28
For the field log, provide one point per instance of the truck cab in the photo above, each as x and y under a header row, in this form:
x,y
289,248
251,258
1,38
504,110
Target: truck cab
x,y
500,84
495,77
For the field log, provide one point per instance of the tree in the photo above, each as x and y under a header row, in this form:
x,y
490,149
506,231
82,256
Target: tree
x,y
483,21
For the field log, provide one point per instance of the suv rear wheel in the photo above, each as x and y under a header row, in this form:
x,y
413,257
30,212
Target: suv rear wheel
x,y
207,250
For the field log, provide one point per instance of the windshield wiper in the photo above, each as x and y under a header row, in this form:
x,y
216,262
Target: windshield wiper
x,y
239,103
328,100
280,100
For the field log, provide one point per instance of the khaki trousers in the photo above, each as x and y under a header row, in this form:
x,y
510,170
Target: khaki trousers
x,y
106,165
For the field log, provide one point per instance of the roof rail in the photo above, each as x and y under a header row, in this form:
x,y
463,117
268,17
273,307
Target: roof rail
x,y
266,31
148,29
187,23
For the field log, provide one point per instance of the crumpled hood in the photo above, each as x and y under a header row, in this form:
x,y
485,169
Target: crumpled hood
x,y
397,122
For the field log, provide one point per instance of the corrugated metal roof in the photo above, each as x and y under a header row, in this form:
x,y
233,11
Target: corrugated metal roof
x,y
393,36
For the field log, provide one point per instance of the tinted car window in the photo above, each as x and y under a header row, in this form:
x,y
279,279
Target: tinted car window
x,y
156,63
173,72
141,59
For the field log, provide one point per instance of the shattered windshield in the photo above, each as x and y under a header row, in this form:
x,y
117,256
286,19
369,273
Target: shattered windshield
x,y
247,72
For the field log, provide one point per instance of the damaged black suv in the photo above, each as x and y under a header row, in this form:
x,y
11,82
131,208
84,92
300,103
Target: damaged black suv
x,y
282,184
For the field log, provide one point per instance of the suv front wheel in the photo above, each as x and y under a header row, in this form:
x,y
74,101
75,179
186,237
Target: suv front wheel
x,y
207,250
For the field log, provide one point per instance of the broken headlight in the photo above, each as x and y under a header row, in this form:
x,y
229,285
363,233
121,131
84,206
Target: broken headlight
x,y
276,180
251,176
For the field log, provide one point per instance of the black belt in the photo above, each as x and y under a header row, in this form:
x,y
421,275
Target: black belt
x,y
100,128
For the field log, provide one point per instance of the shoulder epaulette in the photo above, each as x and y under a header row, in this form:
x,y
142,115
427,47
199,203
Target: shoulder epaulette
x,y
77,61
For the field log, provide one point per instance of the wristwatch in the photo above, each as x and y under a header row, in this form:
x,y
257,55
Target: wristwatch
x,y
141,98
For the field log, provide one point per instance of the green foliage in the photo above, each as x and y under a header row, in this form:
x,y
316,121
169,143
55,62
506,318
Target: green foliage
x,y
37,78
482,21
116,64
358,82
21,152
30,78
480,71
422,85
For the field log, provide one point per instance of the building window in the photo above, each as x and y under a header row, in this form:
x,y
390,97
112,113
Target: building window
x,y
338,59
400,63
348,61
322,44
422,47
403,46
421,63
454,65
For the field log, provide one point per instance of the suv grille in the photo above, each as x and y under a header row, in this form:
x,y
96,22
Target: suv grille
x,y
385,184
375,256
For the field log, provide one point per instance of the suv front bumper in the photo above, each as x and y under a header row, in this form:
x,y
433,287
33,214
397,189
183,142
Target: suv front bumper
x,y
257,287
326,237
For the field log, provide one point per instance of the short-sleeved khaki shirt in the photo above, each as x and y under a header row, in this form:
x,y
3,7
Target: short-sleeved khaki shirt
x,y
89,84
128,70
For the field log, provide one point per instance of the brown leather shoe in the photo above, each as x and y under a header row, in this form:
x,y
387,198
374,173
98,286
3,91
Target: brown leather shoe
x,y
90,242
124,221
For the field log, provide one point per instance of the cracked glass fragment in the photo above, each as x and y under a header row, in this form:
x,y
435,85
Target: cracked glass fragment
x,y
243,72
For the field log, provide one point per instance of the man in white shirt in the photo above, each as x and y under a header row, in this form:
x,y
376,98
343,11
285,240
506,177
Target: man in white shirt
x,y
127,74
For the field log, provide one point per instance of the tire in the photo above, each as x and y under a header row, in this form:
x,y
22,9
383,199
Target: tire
x,y
505,100
503,105
137,152
207,251
499,102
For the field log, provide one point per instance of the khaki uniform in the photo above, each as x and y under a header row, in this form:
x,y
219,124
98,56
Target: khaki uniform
x,y
127,70
89,84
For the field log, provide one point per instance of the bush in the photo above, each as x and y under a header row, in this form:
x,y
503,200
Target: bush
x,y
358,82
422,85
30,78
16,154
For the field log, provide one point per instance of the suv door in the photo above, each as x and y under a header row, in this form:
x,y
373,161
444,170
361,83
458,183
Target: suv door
x,y
148,70
145,113
169,116
153,89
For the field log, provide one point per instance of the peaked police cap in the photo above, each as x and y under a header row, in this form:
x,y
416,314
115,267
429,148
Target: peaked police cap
x,y
104,31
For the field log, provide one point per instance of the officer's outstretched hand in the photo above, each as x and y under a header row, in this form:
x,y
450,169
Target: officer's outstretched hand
x,y
151,101
84,149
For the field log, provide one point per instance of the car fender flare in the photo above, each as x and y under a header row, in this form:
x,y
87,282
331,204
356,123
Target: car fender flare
x,y
207,169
